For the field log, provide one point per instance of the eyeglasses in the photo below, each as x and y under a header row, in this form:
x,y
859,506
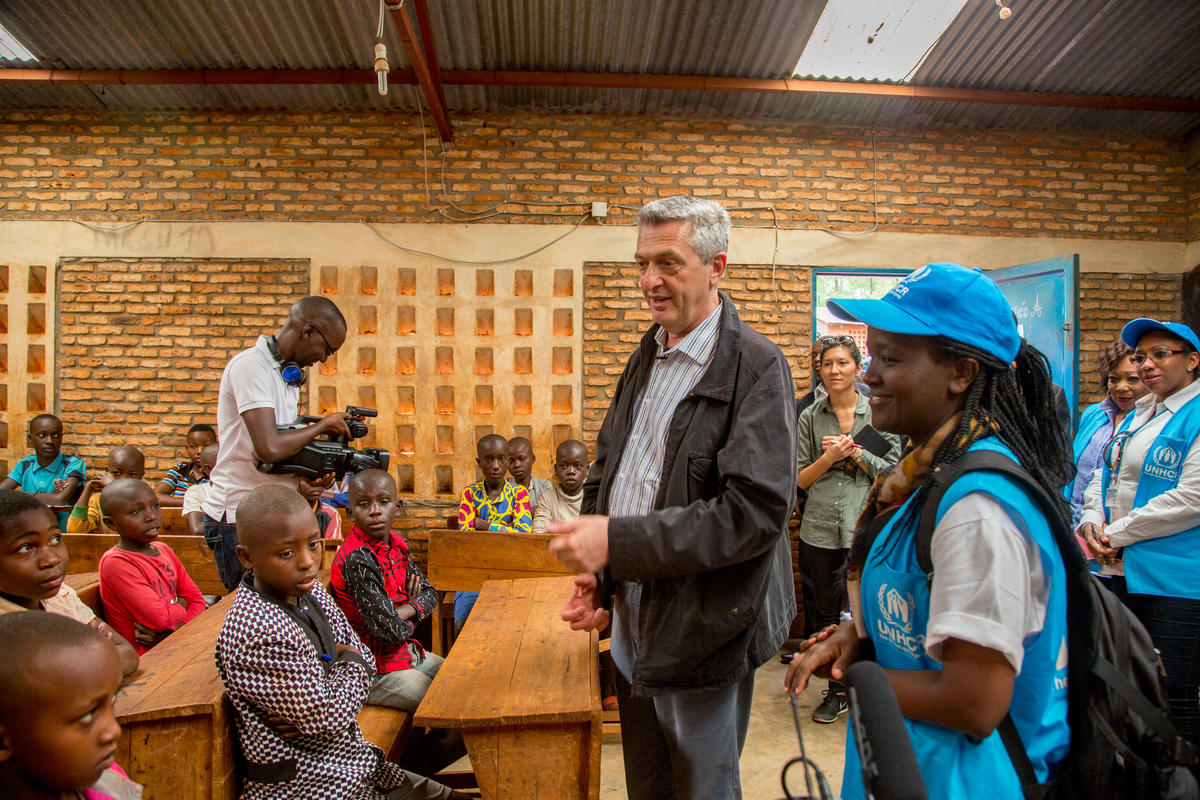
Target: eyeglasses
x,y
840,339
1157,356
328,350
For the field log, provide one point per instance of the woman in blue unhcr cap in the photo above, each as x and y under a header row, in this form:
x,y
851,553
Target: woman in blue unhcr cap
x,y
1141,511
986,636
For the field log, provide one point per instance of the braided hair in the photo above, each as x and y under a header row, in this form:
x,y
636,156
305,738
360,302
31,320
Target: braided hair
x,y
1018,400
1012,401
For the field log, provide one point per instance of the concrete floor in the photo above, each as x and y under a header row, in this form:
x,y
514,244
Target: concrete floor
x,y
770,742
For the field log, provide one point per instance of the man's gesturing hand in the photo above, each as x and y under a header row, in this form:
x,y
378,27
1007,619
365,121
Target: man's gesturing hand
x,y
581,544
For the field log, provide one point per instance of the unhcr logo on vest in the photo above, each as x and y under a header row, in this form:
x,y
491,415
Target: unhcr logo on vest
x,y
895,623
1164,463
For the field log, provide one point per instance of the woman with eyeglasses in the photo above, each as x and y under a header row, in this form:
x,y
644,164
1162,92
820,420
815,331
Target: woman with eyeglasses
x,y
837,474
1141,513
1122,383
979,637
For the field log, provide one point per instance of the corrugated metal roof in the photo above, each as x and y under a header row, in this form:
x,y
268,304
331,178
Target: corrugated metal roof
x,y
1127,47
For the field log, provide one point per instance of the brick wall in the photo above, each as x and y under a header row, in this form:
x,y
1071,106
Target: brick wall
x,y
1106,303
615,317
362,166
1193,196
142,343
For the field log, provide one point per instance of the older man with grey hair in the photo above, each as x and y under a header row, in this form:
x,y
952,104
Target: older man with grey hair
x,y
684,526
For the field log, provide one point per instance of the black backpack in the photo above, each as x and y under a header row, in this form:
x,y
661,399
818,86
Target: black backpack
x,y
1123,744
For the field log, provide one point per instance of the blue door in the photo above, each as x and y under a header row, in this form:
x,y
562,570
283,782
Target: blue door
x,y
1044,296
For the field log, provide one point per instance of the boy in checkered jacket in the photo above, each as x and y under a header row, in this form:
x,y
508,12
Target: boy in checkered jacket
x,y
295,671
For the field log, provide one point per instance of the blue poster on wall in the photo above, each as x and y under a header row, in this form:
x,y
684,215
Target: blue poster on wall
x,y
1044,297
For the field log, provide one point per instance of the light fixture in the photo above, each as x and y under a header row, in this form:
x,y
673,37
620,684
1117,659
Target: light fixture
x,y
381,67
1005,12
875,39
11,49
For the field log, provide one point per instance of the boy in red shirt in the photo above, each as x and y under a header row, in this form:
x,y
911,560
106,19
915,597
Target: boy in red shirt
x,y
144,588
383,594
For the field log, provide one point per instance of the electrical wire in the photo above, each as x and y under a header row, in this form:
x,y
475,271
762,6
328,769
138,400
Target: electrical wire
x,y
507,260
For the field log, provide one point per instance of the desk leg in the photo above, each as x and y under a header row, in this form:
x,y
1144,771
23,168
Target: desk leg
x,y
523,762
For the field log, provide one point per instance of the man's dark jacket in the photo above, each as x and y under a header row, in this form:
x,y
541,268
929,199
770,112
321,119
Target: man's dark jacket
x,y
713,555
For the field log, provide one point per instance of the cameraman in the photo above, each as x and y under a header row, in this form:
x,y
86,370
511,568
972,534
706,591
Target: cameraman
x,y
260,390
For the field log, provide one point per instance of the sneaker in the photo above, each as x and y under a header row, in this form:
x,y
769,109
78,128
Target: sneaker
x,y
833,706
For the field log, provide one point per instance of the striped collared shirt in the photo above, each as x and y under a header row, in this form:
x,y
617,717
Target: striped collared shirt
x,y
675,372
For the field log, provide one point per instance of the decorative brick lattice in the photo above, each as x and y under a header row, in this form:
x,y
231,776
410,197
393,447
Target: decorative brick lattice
x,y
448,355
26,354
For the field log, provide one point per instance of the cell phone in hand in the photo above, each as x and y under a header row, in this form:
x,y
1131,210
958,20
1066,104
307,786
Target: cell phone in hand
x,y
872,441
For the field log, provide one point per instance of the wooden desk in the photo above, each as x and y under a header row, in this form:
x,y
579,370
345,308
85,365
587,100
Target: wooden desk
x,y
87,586
523,688
177,730
460,561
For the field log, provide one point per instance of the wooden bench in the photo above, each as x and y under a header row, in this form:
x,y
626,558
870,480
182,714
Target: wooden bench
x,y
193,552
87,586
460,561
524,690
178,736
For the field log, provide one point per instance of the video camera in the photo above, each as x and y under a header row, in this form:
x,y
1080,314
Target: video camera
x,y
333,454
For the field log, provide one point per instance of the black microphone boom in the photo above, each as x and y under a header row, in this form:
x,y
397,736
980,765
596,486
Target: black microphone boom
x,y
889,765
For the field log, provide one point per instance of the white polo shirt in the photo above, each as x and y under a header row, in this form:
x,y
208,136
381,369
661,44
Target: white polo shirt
x,y
251,380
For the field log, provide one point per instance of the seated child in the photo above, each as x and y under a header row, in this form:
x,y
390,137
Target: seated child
x,y
123,462
493,504
47,474
58,733
145,590
520,467
193,498
384,594
327,518
562,501
295,671
186,473
33,564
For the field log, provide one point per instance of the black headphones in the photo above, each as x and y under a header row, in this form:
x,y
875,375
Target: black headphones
x,y
291,372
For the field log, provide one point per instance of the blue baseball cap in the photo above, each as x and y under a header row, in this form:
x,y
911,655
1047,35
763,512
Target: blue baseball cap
x,y
942,300
1136,329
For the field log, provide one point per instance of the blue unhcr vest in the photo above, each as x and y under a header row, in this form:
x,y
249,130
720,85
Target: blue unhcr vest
x,y
895,600
1094,418
1164,567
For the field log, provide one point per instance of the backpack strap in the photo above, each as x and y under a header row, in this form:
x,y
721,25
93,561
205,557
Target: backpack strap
x,y
946,474
943,476
1030,788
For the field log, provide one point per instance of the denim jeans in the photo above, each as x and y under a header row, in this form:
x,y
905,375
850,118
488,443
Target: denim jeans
x,y
222,538
404,688
463,603
1174,626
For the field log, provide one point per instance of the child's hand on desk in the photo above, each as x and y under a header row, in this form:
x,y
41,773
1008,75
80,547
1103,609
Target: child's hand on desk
x,y
144,637
481,524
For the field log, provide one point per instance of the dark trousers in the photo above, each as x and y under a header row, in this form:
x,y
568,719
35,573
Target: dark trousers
x,y
222,538
823,596
1174,626
684,744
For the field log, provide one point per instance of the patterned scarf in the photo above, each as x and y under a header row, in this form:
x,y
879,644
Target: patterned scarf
x,y
898,482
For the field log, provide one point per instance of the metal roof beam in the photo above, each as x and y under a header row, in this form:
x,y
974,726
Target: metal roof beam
x,y
429,82
695,83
